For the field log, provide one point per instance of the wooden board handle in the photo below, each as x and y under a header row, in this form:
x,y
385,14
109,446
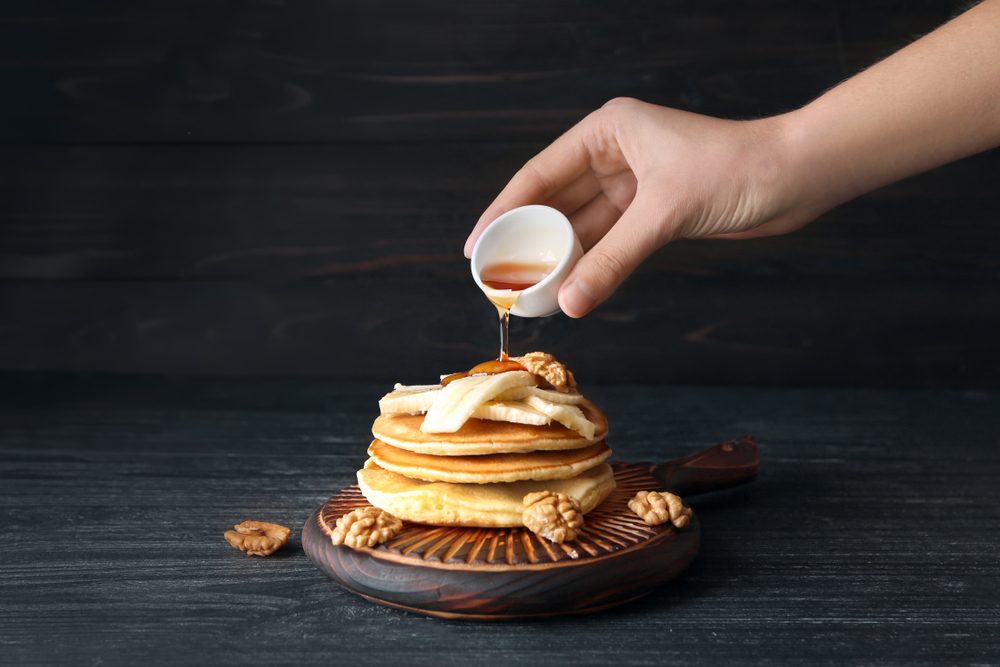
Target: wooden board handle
x,y
727,464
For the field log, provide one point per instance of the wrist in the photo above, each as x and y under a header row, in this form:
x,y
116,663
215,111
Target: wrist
x,y
804,179
830,167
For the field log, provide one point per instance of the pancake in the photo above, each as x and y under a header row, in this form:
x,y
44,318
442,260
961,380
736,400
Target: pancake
x,y
480,436
481,505
489,468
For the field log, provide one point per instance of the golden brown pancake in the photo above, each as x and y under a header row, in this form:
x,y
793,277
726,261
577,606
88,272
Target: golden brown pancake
x,y
488,468
480,436
484,505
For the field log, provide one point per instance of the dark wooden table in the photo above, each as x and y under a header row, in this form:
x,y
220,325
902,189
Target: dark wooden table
x,y
872,535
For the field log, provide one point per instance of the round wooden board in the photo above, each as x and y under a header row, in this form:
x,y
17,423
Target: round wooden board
x,y
503,573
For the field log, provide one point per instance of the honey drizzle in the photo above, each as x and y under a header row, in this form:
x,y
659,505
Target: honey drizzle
x,y
507,280
504,332
504,301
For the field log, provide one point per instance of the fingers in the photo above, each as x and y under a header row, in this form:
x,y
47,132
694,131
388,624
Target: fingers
x,y
575,195
593,220
540,179
635,236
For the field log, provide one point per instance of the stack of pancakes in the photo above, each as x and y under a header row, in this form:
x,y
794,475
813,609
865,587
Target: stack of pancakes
x,y
479,474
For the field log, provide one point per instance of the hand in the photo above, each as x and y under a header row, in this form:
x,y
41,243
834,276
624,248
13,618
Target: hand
x,y
633,177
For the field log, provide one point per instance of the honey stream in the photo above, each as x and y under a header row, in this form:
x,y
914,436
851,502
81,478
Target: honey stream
x,y
506,281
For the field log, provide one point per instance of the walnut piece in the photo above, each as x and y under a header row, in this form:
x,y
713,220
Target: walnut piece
x,y
257,538
554,516
365,527
655,507
545,366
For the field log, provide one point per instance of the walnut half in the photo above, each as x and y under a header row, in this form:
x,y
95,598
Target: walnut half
x,y
545,366
257,538
655,508
554,516
365,527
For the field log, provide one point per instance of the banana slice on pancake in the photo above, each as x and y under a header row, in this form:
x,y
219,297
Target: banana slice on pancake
x,y
459,399
480,436
463,399
512,413
550,395
412,400
569,416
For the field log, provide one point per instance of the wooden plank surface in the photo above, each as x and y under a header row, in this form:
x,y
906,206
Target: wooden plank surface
x,y
869,537
345,261
246,188
391,70
201,213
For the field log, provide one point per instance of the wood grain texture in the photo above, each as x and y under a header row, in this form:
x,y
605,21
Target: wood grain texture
x,y
314,260
274,188
389,70
869,537
509,573
456,572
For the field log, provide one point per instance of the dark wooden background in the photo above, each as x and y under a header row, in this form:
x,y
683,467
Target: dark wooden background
x,y
284,188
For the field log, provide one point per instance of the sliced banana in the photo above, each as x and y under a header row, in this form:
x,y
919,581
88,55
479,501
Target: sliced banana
x,y
414,388
412,400
515,413
569,416
459,399
550,395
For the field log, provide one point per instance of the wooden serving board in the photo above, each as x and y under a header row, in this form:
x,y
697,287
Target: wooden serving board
x,y
504,573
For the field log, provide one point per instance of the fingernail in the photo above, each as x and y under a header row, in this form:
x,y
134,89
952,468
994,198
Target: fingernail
x,y
574,300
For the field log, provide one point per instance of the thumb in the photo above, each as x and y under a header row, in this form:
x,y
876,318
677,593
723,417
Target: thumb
x,y
639,232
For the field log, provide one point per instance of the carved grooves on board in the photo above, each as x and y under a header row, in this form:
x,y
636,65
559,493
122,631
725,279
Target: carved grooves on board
x,y
609,528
